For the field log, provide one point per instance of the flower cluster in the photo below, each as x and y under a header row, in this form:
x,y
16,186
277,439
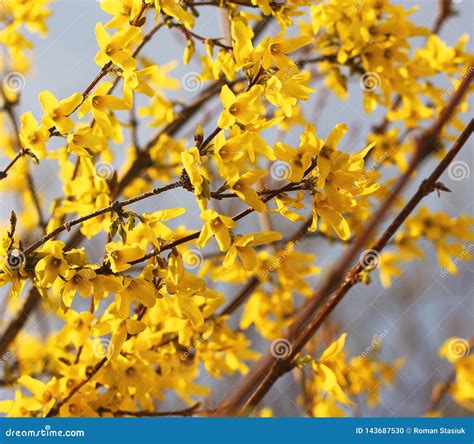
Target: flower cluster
x,y
142,310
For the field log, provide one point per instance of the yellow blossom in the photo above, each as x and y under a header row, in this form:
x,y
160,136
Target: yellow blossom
x,y
57,112
114,49
32,135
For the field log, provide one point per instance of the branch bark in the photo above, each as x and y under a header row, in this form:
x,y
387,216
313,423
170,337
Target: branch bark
x,y
19,321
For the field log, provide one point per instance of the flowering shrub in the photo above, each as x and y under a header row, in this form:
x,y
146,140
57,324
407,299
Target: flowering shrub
x,y
145,320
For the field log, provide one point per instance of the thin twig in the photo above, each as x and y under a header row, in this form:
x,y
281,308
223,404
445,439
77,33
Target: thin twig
x,y
19,321
4,173
144,413
190,34
116,206
55,410
31,188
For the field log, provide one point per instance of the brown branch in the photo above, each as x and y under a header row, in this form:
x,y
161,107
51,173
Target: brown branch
x,y
190,34
143,414
106,68
440,391
133,122
241,297
103,72
36,202
21,152
55,410
445,10
148,37
4,173
17,323
204,144
116,206
8,382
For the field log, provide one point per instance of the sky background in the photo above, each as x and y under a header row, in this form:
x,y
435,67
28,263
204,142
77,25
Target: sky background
x,y
419,311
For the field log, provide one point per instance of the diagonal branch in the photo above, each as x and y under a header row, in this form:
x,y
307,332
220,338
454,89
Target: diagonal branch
x,y
19,321
4,173
116,206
